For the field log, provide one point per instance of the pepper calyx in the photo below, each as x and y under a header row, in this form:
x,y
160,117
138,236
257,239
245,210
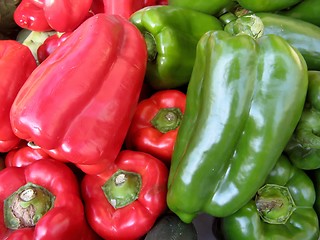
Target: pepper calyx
x,y
167,119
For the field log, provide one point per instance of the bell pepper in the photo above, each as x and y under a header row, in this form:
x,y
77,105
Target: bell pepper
x,y
50,44
124,202
302,35
42,201
16,64
24,155
171,34
315,177
267,5
93,94
213,7
155,124
303,148
58,15
125,8
281,209
239,115
307,10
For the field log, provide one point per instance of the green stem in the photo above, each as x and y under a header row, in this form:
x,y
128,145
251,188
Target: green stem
x,y
26,206
122,188
167,119
274,204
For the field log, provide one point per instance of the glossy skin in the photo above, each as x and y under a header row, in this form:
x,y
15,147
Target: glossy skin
x,y
58,15
92,94
176,32
302,224
143,136
302,35
307,10
209,7
239,115
65,220
137,218
303,148
13,55
267,5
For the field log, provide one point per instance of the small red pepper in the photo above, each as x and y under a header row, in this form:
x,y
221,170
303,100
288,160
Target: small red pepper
x,y
155,124
58,15
16,64
124,202
42,201
78,104
24,155
50,44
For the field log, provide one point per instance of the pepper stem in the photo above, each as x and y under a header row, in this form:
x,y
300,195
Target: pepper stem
x,y
26,206
274,204
122,188
151,46
167,119
250,25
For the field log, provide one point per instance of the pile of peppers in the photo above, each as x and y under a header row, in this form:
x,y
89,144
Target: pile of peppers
x,y
116,113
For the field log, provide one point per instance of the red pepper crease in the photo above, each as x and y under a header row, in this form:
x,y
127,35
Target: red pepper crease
x,y
24,155
78,104
13,56
142,174
58,15
155,124
56,184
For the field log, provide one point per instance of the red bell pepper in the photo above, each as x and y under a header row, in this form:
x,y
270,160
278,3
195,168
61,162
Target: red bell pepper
x,y
42,201
58,15
16,64
125,8
24,155
155,124
124,202
50,44
78,104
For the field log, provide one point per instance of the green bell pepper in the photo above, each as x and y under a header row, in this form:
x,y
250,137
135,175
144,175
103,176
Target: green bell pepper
x,y
171,35
239,115
302,35
213,7
303,148
307,10
282,209
266,5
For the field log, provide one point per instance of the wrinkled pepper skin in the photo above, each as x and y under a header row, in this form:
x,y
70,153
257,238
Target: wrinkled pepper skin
x,y
110,211
302,35
58,15
303,222
16,65
213,7
155,124
303,149
64,220
267,5
307,10
93,101
239,116
171,35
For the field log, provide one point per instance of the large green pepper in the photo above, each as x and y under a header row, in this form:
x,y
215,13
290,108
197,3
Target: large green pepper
x,y
307,10
302,35
171,35
239,115
213,7
282,209
267,5
304,147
